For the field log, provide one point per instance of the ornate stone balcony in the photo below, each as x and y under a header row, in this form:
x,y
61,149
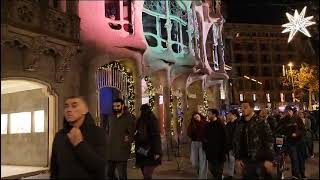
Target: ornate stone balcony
x,y
38,17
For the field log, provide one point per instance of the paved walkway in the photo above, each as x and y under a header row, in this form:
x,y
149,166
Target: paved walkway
x,y
169,169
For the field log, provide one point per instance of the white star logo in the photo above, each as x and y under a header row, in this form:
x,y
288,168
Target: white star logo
x,y
297,23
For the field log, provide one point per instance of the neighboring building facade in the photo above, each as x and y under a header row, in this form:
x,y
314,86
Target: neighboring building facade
x,y
260,52
166,53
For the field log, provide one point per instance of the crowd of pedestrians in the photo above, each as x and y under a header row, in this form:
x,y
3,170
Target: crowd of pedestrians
x,y
244,142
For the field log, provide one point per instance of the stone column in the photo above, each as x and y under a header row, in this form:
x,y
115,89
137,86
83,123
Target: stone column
x,y
167,113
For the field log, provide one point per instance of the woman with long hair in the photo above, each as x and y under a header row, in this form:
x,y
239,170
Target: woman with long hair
x,y
195,131
147,142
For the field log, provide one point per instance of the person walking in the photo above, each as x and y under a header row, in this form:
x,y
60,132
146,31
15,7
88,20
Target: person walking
x,y
215,140
78,149
120,128
268,118
232,120
253,145
147,142
293,128
195,131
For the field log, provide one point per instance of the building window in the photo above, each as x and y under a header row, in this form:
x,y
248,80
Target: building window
x,y
266,71
222,92
268,97
241,85
4,123
38,121
251,47
163,12
237,46
241,97
20,122
238,58
252,71
238,71
265,59
252,58
119,13
264,47
253,85
254,97
266,85
282,99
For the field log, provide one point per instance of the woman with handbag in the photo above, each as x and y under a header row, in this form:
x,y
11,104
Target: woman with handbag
x,y
147,142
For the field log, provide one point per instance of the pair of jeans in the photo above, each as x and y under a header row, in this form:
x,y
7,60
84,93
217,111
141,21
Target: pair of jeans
x,y
230,163
147,171
216,169
119,166
297,156
198,159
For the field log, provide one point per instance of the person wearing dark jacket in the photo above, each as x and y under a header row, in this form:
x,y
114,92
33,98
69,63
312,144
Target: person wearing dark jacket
x,y
147,142
120,128
215,140
253,145
232,120
265,115
293,129
196,131
79,148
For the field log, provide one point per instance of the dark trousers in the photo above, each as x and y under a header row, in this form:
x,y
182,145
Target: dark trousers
x,y
121,167
255,170
216,169
147,171
297,154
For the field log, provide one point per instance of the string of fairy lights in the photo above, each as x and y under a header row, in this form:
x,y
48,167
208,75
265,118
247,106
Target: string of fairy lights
x,y
171,114
130,83
151,92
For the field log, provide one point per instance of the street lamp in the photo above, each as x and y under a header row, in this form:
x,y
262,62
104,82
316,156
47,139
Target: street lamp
x,y
290,66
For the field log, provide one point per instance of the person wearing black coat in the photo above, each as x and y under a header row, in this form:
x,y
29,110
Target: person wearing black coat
x,y
79,148
147,142
232,120
215,144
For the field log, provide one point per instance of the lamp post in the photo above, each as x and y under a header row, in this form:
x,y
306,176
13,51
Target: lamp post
x,y
290,66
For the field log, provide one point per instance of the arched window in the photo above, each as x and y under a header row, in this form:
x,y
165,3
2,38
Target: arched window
x,y
119,14
165,24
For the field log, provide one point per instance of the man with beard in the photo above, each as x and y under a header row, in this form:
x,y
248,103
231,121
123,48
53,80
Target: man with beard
x,y
79,148
215,140
253,145
120,127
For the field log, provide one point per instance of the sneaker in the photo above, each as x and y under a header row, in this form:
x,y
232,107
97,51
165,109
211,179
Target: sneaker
x,y
294,177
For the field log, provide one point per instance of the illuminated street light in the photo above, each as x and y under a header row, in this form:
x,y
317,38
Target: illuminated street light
x,y
290,65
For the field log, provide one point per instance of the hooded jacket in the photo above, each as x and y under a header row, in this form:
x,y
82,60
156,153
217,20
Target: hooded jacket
x,y
86,160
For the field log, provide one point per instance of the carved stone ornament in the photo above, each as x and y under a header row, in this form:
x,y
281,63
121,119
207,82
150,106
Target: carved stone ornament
x,y
31,62
63,63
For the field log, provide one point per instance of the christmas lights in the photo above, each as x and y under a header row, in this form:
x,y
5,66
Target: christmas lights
x,y
151,92
297,23
130,83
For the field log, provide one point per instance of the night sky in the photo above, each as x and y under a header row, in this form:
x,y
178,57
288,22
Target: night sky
x,y
266,11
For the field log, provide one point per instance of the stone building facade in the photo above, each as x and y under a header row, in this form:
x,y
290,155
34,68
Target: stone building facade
x,y
167,53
